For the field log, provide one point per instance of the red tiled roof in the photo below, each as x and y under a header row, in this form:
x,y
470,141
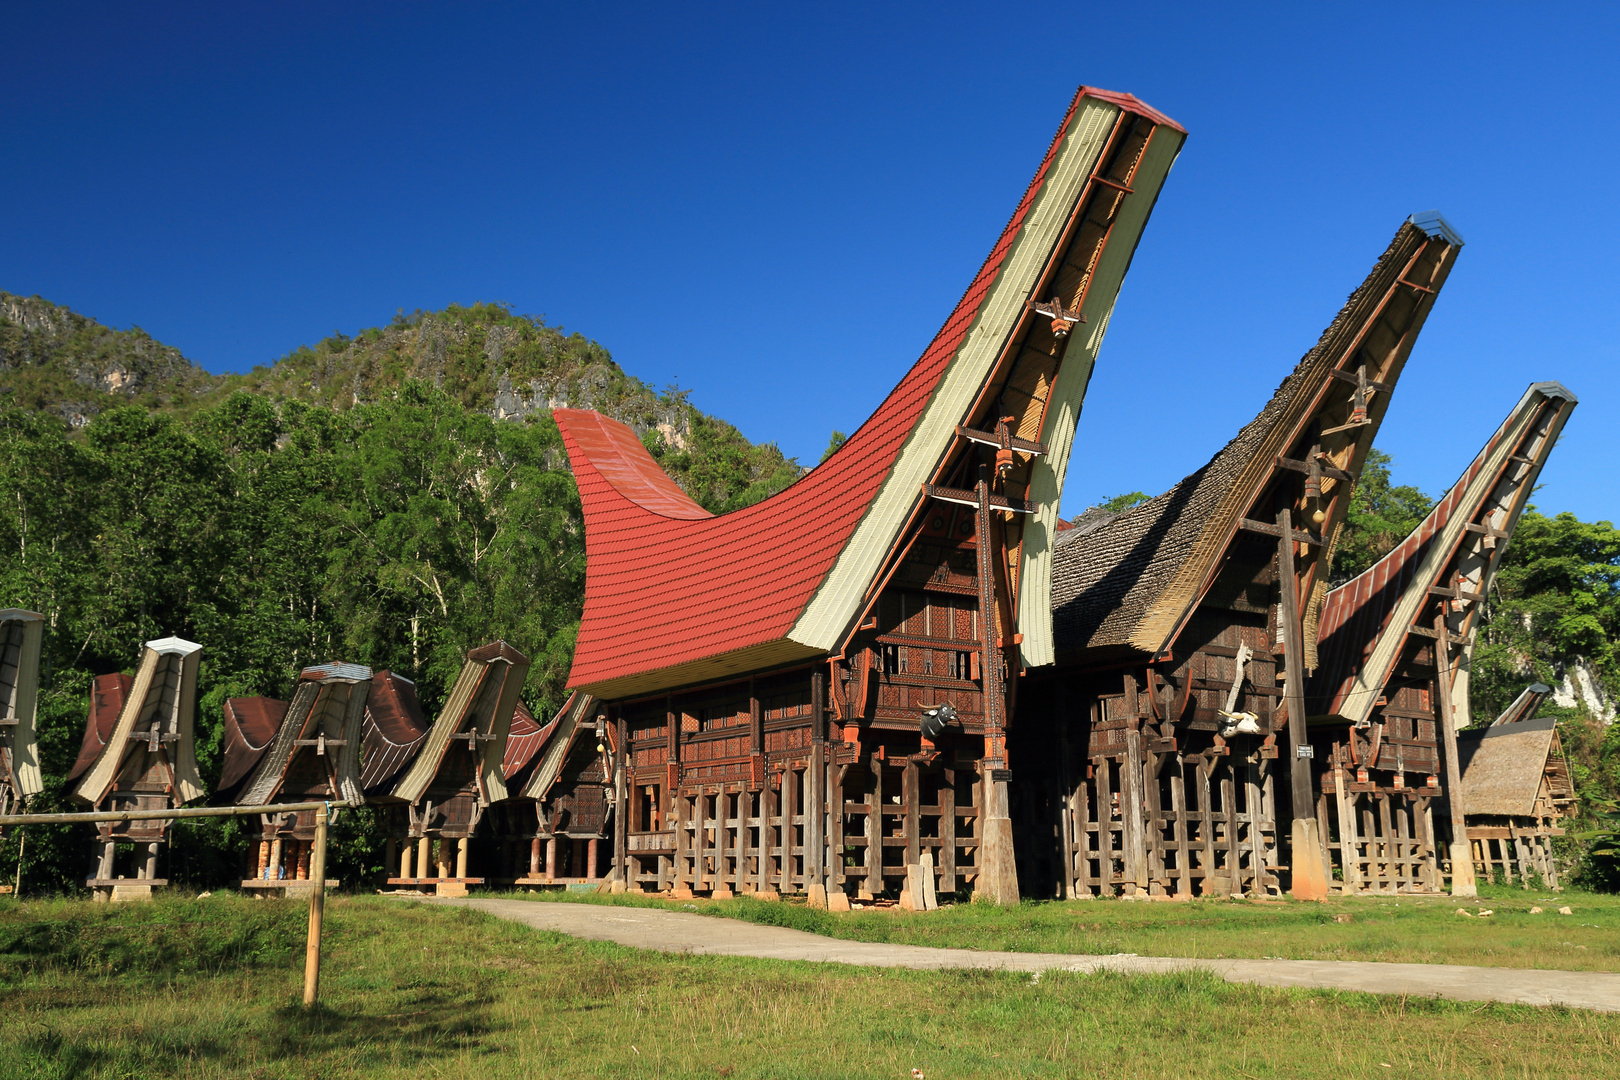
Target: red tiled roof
x,y
682,585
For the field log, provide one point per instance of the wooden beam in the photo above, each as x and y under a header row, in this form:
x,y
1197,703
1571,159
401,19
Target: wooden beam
x,y
1456,594
1434,635
1485,530
1349,377
990,438
1299,535
962,497
1299,770
1462,860
1305,467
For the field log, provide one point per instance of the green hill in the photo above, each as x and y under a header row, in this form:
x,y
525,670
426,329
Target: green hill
x,y
511,367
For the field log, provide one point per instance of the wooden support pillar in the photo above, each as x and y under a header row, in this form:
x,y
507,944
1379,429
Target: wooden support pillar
x,y
461,856
551,857
424,856
1462,860
590,858
815,796
998,869
535,847
621,803
405,858
275,860
1305,847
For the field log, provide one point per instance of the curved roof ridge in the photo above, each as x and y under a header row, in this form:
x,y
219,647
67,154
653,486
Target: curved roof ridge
x,y
621,460
704,597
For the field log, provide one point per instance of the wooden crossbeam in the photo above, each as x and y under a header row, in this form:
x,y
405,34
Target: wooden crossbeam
x,y
1305,467
1434,635
1485,530
1456,594
990,438
1349,377
1275,530
1115,184
968,498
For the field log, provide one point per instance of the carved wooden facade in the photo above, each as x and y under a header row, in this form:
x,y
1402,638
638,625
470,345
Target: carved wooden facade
x,y
1391,690
1171,728
812,694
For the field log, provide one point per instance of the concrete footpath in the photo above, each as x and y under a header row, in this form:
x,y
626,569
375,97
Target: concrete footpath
x,y
704,935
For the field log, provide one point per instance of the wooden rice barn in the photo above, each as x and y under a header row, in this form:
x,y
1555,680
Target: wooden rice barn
x,y
516,825
564,809
1172,735
304,751
1391,689
21,633
812,694
434,807
138,753
1516,787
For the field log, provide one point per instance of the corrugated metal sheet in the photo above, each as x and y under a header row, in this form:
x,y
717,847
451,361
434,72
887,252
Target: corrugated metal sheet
x,y
336,670
1068,395
1525,705
523,742
250,725
570,720
1365,622
394,729
107,694
329,702
483,699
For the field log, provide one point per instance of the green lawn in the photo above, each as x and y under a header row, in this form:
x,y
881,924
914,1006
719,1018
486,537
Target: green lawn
x,y
1404,929
201,988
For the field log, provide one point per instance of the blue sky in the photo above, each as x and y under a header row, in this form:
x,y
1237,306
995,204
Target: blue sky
x,y
777,208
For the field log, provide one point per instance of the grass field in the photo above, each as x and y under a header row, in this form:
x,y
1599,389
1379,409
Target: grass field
x,y
1404,929
202,988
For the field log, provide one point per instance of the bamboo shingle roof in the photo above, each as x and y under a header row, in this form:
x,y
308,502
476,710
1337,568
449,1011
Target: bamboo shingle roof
x,y
1127,583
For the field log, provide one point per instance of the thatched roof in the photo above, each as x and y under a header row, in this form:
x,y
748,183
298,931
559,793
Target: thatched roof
x,y
1503,765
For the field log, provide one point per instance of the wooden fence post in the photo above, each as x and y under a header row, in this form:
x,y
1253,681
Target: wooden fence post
x,y
317,907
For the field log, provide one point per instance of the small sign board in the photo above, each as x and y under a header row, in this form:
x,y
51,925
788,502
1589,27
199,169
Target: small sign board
x,y
1306,751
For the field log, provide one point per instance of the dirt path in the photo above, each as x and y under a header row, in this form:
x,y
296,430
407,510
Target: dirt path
x,y
680,932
